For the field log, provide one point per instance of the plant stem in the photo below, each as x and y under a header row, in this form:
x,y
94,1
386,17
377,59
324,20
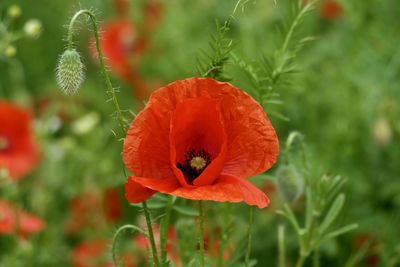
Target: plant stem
x,y
249,230
281,245
151,235
164,234
300,261
316,258
110,89
201,231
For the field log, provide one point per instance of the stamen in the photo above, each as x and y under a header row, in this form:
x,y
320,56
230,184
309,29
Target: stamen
x,y
194,164
198,163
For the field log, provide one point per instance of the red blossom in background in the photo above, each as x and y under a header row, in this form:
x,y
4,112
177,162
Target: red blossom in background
x,y
330,9
25,223
199,139
95,253
371,258
122,45
94,210
19,152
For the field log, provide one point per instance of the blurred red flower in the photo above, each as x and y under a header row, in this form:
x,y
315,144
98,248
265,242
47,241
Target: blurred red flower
x,y
123,46
95,253
330,9
199,139
171,248
94,210
13,219
371,258
19,152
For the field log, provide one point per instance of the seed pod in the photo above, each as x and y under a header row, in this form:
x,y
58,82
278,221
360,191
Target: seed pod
x,y
69,72
290,183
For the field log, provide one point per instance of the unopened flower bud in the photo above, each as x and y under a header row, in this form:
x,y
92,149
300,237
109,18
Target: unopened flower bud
x,y
382,132
14,11
10,51
33,28
290,183
69,72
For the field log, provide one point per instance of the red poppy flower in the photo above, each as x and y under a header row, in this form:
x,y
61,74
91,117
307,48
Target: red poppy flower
x,y
199,139
95,253
330,9
121,45
171,247
27,223
94,210
19,153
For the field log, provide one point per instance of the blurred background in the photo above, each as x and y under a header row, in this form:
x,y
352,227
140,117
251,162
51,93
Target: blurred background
x,y
344,99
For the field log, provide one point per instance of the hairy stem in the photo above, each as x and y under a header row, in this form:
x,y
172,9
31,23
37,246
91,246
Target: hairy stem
x,y
164,235
281,245
110,89
116,235
151,235
249,230
301,260
201,232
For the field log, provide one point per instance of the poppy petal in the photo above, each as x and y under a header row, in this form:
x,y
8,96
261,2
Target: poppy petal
x,y
196,125
135,192
160,185
226,189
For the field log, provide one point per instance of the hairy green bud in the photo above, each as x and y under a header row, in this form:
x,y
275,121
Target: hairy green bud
x,y
69,72
290,182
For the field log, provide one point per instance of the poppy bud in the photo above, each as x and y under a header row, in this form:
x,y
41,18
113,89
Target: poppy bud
x,y
33,28
382,132
14,11
290,183
69,72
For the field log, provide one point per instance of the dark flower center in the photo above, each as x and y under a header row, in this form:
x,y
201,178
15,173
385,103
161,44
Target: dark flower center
x,y
195,162
3,143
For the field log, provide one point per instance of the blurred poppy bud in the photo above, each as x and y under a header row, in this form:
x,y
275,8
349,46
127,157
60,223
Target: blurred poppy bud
x,y
14,11
382,132
69,72
10,51
33,28
290,182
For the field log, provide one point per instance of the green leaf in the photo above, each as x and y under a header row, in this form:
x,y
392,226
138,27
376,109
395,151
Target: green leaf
x,y
189,211
341,231
333,212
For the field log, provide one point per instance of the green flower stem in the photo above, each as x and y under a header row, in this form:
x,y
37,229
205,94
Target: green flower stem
x,y
110,89
249,230
116,235
301,261
151,235
281,245
201,231
164,235
316,258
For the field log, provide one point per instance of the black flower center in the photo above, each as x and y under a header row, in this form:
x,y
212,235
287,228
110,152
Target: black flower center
x,y
195,162
3,143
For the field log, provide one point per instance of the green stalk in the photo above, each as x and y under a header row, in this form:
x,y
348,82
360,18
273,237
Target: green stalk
x,y
151,235
249,230
281,245
301,261
164,234
111,90
201,231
